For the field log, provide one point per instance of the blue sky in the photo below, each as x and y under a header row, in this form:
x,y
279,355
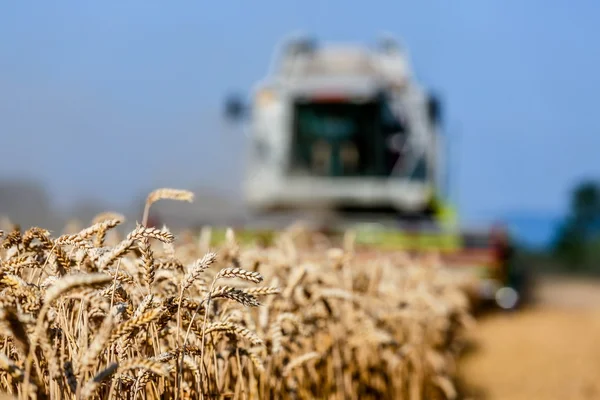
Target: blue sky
x,y
110,98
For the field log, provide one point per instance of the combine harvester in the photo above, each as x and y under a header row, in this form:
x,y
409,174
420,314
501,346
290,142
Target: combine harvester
x,y
343,137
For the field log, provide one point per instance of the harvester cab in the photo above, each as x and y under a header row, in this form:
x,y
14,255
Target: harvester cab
x,y
345,135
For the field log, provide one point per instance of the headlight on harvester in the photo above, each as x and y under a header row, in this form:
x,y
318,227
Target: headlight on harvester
x,y
265,98
507,297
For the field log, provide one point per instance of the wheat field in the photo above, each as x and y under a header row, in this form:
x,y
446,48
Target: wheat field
x,y
98,313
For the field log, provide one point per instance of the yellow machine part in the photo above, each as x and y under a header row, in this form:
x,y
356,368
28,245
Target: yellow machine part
x,y
447,239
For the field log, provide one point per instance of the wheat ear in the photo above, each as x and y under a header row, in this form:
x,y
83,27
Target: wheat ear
x,y
162,194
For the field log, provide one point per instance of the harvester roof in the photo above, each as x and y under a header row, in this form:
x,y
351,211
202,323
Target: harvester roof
x,y
342,61
337,60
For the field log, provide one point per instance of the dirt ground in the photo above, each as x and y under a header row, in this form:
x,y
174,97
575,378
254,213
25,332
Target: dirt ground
x,y
551,350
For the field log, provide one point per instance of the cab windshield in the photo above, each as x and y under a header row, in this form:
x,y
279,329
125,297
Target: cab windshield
x,y
345,139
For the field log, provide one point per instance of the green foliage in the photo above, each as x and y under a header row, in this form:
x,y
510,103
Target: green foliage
x,y
577,244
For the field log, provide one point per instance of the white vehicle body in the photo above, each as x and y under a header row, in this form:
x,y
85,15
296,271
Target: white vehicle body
x,y
358,75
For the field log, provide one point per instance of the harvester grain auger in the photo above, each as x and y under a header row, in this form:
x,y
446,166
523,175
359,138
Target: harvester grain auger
x,y
344,137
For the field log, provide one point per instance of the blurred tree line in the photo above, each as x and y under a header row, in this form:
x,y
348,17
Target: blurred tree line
x,y
576,245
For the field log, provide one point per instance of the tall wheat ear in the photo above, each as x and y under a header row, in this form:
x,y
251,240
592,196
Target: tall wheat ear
x,y
165,194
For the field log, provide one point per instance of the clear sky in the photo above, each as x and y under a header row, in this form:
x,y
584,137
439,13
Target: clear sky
x,y
109,98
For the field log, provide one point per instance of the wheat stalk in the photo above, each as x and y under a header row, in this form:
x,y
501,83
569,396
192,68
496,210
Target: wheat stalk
x,y
165,193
